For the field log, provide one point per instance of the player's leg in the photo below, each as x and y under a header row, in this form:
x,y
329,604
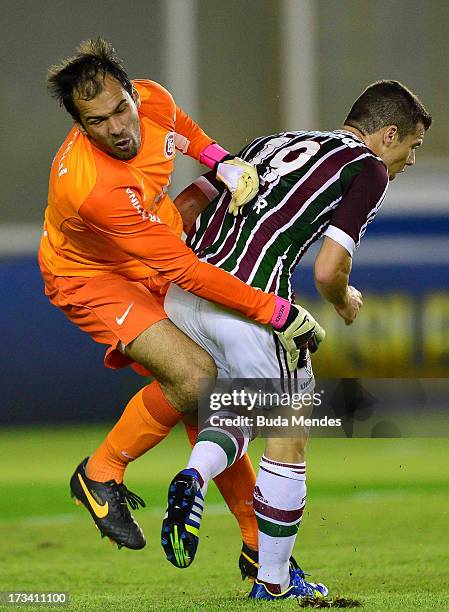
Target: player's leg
x,y
178,364
227,338
97,306
236,485
146,420
180,528
219,447
279,501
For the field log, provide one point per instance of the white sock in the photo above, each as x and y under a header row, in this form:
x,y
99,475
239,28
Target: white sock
x,y
279,500
209,459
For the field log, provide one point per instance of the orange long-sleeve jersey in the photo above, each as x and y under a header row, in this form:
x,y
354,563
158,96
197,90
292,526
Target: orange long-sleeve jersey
x,y
107,215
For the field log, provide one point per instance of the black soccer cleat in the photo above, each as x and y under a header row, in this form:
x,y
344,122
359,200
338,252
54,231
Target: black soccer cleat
x,y
107,503
249,563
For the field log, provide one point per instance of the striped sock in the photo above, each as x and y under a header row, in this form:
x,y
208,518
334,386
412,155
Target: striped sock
x,y
236,485
217,448
279,500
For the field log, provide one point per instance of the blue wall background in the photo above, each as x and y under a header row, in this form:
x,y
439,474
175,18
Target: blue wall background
x,y
52,372
49,370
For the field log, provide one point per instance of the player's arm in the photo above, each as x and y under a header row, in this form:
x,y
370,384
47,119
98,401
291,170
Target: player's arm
x,y
196,197
191,202
332,269
358,207
156,245
240,177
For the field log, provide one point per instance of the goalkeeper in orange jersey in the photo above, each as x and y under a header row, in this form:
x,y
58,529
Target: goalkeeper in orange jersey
x,y
110,247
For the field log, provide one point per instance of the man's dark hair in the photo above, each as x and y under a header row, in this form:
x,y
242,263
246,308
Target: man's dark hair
x,y
388,103
84,74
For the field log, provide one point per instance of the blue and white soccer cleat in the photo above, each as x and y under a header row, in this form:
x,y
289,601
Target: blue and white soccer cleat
x,y
297,588
181,524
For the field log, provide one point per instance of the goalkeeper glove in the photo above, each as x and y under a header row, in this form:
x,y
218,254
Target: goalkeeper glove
x,y
240,178
299,330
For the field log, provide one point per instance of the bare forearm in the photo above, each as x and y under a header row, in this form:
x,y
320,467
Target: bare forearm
x,y
335,290
332,269
191,202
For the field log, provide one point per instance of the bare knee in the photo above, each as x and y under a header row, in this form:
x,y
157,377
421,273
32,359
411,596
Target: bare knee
x,y
183,388
286,450
178,364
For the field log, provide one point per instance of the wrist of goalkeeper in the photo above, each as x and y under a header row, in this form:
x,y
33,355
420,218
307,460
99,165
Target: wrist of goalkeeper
x,y
295,326
227,157
213,154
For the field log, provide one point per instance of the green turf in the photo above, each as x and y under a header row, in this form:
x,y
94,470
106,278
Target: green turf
x,y
375,529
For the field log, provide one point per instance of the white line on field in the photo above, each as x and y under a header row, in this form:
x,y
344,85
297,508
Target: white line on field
x,y
71,517
364,496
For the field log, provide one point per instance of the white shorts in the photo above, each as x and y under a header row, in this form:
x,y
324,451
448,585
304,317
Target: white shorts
x,y
241,348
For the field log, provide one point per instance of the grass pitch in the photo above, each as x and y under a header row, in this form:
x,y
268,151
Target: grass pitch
x,y
375,528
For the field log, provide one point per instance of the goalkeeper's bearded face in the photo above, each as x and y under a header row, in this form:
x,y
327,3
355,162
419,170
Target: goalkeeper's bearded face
x,y
110,120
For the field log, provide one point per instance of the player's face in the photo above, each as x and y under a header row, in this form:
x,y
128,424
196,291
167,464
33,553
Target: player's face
x,y
396,153
111,120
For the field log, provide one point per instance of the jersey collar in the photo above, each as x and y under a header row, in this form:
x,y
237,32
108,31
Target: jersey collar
x,y
351,134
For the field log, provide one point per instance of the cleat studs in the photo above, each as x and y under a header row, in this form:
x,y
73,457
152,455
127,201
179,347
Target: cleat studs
x,y
166,529
164,541
78,502
183,536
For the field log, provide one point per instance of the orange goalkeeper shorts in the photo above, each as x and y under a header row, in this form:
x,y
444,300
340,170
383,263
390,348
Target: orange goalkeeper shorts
x,y
111,308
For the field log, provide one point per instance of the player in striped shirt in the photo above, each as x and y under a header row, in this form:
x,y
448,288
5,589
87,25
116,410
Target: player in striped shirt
x,y
312,185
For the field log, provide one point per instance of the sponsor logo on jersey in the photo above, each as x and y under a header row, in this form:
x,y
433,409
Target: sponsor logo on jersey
x,y
62,169
260,205
169,148
139,208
